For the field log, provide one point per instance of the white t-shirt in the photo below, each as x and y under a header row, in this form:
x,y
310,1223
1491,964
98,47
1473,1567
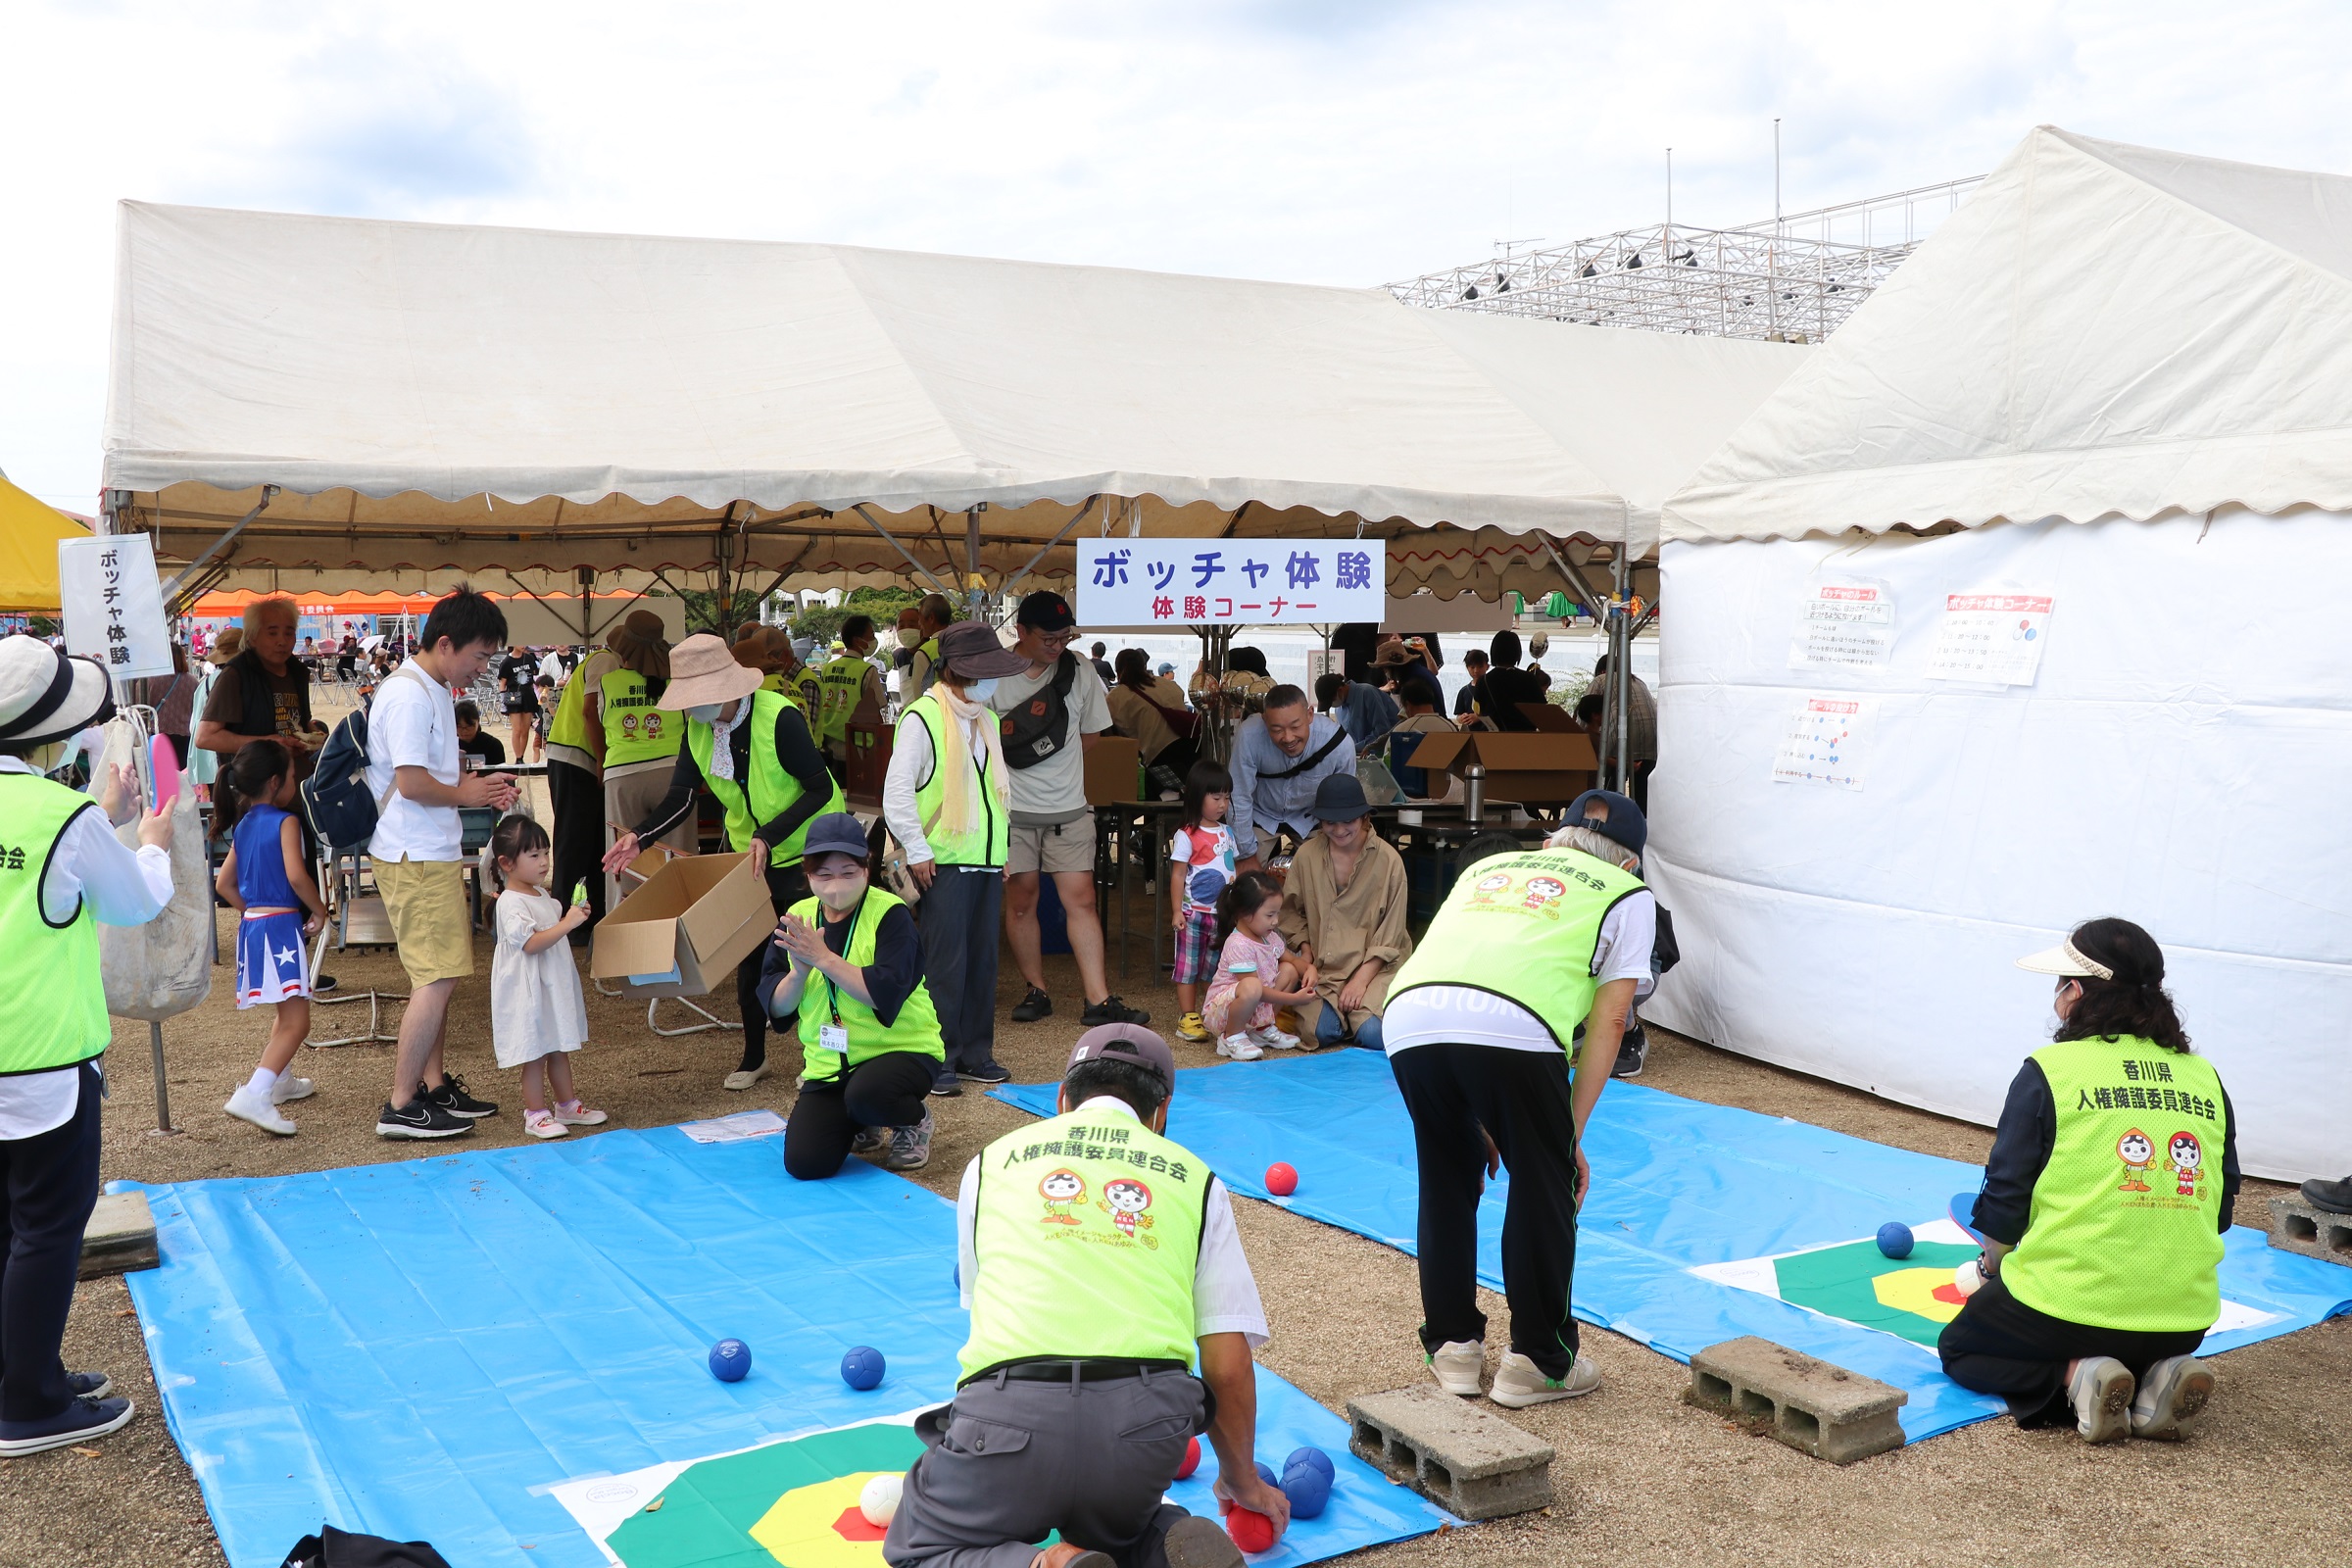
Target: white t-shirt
x,y
1224,1291
412,723
1206,853
1465,1015
1055,790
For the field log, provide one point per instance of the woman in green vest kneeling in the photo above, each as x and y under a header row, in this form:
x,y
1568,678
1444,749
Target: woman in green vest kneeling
x,y
849,963
2110,1184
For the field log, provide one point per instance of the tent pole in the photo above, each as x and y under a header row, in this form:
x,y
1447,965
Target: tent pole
x,y
1576,578
269,494
1049,544
929,575
1621,654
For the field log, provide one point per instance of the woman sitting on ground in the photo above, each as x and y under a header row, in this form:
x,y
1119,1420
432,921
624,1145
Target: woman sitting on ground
x,y
2111,1181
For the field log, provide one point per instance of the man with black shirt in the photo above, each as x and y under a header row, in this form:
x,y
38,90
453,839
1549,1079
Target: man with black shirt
x,y
263,691
1470,700
485,750
1507,685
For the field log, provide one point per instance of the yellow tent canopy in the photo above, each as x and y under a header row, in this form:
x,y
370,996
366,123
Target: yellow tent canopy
x,y
29,530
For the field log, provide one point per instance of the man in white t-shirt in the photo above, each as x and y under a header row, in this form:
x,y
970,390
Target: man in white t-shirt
x,y
415,772
1528,949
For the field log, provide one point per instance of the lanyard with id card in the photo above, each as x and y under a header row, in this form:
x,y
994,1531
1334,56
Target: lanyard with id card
x,y
835,1036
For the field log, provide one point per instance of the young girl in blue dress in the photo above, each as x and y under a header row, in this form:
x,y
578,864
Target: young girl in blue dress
x,y
268,882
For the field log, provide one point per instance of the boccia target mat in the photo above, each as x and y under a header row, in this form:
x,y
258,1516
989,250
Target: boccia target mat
x,y
1704,1224
426,1350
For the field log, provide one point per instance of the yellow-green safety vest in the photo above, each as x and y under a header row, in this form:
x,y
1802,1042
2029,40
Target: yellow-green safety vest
x,y
839,684
914,1027
1085,1236
636,730
774,791
569,725
1530,921
987,844
2125,1230
928,652
50,990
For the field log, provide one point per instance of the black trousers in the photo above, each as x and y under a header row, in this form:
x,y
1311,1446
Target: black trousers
x,y
1522,1100
787,885
578,833
1999,1344
886,1090
48,1186
959,919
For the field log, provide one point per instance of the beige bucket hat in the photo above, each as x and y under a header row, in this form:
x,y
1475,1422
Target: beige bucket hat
x,y
703,670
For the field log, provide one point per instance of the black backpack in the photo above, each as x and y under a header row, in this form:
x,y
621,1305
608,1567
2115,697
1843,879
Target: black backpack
x,y
1040,726
335,798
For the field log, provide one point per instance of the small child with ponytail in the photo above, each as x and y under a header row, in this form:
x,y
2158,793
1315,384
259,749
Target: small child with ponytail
x,y
1254,972
538,1015
267,880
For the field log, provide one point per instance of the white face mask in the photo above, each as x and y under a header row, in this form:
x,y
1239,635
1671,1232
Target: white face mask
x,y
980,691
705,713
911,637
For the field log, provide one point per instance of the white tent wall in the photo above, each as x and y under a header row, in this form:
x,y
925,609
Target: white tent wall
x,y
2179,760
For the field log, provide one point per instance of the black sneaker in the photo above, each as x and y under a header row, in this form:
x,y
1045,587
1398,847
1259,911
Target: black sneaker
x,y
1632,1053
89,1385
78,1422
2334,1197
452,1096
1033,1007
991,1071
944,1082
1110,1009
420,1118
322,984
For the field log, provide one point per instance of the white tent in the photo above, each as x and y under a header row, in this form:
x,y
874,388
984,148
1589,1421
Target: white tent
x,y
2120,380
435,399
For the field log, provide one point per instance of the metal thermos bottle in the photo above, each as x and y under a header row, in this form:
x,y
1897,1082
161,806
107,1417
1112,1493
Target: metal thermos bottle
x,y
1474,794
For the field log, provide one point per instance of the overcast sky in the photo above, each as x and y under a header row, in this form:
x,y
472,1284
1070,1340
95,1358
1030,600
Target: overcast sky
x,y
1329,141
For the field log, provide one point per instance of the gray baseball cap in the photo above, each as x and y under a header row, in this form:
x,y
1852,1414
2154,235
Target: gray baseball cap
x,y
1130,1043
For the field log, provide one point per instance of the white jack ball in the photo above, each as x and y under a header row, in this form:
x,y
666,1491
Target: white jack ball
x,y
1968,1278
878,1500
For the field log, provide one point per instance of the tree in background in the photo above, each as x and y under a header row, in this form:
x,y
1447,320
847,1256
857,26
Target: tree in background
x,y
822,624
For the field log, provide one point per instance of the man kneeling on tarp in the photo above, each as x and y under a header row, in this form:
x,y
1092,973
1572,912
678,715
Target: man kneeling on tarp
x,y
1095,1254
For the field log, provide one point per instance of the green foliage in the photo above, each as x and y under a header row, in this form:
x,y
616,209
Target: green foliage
x,y
882,604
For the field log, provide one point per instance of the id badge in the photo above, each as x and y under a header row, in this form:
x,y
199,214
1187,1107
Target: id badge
x,y
834,1038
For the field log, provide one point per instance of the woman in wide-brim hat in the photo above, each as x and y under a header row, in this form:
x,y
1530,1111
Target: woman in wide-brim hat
x,y
61,873
752,749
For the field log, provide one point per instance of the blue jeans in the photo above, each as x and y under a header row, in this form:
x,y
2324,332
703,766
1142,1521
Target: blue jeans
x,y
1329,1026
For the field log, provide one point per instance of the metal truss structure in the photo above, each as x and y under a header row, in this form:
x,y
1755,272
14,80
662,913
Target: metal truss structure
x,y
1794,278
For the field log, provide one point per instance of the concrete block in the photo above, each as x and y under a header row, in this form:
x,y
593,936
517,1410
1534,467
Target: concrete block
x,y
119,1237
1816,1409
2297,1227
1466,1460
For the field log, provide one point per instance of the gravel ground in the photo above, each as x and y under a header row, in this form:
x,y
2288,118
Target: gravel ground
x,y
1643,1478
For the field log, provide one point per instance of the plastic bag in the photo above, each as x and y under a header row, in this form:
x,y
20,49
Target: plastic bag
x,y
165,966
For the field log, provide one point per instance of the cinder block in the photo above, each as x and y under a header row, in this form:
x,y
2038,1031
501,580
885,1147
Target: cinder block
x,y
119,1237
2297,1227
1463,1458
1814,1407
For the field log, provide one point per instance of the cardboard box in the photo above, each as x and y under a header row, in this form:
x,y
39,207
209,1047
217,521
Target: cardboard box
x,y
865,757
1531,769
686,929
1113,764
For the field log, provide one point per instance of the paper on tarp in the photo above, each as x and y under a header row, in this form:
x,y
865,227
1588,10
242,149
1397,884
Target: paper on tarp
x,y
685,930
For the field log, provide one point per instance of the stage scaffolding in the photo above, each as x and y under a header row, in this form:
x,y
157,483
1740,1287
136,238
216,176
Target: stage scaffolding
x,y
1790,280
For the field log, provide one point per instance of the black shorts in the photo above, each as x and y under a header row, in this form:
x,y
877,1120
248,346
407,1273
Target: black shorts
x,y
517,702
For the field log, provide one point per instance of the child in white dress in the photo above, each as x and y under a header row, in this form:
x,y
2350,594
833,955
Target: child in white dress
x,y
538,1015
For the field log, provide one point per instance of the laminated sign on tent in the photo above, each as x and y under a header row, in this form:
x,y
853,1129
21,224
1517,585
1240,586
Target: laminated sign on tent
x,y
1952,668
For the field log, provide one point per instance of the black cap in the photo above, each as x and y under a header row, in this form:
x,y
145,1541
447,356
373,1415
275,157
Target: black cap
x,y
1044,609
1621,820
835,833
1340,797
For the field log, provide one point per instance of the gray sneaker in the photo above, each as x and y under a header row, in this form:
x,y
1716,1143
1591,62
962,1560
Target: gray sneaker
x,y
910,1146
2171,1398
870,1140
2100,1391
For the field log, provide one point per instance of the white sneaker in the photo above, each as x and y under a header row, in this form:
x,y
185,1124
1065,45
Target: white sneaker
x,y
742,1079
1241,1047
1274,1039
288,1087
2171,1398
543,1124
576,1115
1520,1383
2100,1392
1457,1364
248,1104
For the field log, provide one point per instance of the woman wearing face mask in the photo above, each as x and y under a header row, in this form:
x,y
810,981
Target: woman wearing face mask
x,y
849,963
948,802
752,749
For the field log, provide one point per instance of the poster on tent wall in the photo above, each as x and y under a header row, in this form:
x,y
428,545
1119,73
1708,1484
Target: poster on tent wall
x,y
1826,741
1208,582
1993,638
113,606
1845,623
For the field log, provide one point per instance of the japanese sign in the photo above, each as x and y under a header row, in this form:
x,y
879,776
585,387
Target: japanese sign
x,y
1991,637
1845,621
113,606
1825,742
1195,582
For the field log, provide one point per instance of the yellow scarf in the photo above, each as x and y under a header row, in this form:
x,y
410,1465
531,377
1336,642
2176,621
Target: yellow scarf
x,y
958,803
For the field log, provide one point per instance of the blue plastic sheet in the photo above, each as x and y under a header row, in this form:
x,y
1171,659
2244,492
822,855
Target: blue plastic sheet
x,y
1677,1183
421,1350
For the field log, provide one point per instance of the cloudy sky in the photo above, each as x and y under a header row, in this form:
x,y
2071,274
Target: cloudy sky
x,y
1332,141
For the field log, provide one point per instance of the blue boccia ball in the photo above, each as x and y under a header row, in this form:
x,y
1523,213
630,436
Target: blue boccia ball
x,y
1308,1490
1894,1239
1309,1455
1265,1473
730,1359
863,1367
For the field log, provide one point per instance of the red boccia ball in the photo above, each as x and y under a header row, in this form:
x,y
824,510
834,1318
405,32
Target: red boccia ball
x,y
1250,1531
1191,1458
1281,1179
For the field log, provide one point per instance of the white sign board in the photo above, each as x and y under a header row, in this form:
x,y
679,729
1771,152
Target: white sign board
x,y
1825,742
113,606
1845,621
1996,638
1255,582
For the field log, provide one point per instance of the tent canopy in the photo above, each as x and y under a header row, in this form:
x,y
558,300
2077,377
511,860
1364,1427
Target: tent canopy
x,y
2100,331
29,531
438,397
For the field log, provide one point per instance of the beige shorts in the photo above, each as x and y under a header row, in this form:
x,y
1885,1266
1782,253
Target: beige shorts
x,y
1065,847
425,900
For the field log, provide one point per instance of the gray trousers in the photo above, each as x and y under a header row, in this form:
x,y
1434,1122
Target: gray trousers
x,y
1010,1460
959,919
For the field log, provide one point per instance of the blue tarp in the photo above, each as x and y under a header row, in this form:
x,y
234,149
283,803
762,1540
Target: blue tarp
x,y
1677,1183
420,1349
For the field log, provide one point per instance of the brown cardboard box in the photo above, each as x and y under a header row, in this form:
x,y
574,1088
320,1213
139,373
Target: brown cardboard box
x,y
1531,769
1111,771
691,923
